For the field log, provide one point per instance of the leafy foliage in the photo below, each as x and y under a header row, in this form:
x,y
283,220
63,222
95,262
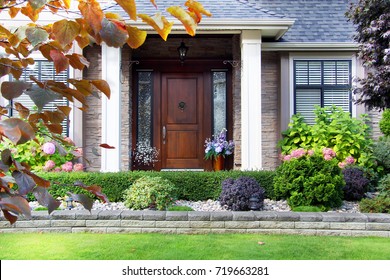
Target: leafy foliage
x,y
372,19
384,186
356,184
236,193
310,180
381,153
334,129
88,25
150,192
379,204
384,123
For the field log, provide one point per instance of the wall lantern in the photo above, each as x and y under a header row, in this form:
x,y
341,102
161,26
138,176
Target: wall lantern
x,y
182,52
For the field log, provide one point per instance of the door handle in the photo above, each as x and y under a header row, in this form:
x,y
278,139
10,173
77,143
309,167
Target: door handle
x,y
164,133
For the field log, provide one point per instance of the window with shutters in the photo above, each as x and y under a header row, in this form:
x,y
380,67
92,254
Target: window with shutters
x,y
43,70
323,83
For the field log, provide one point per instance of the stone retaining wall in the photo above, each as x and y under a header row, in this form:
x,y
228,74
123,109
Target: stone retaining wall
x,y
341,224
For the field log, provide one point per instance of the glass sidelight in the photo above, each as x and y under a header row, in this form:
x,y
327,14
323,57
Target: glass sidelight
x,y
219,101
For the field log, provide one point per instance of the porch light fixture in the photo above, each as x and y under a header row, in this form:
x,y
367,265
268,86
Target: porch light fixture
x,y
183,49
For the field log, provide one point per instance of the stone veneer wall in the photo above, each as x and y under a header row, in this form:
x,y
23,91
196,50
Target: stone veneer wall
x,y
258,222
92,118
270,95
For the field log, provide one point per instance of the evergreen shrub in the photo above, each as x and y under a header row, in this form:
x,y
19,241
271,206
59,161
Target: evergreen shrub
x,y
310,180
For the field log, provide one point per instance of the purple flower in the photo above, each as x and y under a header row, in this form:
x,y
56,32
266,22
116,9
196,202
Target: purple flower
x,y
49,148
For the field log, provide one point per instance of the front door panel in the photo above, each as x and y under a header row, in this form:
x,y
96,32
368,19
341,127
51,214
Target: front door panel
x,y
181,121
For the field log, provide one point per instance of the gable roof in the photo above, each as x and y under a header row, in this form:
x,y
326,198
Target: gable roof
x,y
315,20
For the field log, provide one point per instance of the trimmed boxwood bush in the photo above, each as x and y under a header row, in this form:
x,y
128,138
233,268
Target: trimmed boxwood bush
x,y
190,185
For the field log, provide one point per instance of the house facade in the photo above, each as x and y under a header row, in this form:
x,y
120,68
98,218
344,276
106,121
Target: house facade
x,y
250,67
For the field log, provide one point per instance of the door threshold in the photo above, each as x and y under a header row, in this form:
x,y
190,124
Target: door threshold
x,y
183,169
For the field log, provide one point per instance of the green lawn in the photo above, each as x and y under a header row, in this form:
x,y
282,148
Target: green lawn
x,y
190,247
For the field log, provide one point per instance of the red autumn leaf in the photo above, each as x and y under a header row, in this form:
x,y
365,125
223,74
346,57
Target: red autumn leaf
x,y
16,130
44,198
77,61
65,109
96,190
16,205
10,218
61,62
6,157
92,13
106,146
23,111
38,180
24,182
83,199
114,33
14,89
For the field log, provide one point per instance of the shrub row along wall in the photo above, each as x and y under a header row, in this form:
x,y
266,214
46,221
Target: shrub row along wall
x,y
327,223
190,185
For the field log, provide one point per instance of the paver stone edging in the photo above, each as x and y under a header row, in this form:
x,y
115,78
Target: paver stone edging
x,y
194,222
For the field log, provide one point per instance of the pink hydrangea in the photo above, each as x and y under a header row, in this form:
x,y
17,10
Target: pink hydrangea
x,y
78,167
49,148
287,158
57,169
67,166
49,165
328,153
350,160
298,153
310,152
342,164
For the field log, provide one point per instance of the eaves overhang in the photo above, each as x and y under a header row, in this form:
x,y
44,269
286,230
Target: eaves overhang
x,y
310,46
270,28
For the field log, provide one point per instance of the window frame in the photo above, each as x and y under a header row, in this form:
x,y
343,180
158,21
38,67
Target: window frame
x,y
321,56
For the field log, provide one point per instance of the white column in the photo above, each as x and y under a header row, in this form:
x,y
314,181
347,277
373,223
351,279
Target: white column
x,y
111,110
251,150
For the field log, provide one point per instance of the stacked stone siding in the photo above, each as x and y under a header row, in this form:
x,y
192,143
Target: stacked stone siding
x,y
92,118
270,93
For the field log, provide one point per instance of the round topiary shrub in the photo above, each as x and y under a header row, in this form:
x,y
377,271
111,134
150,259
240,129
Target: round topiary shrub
x,y
356,184
308,179
384,123
150,192
236,193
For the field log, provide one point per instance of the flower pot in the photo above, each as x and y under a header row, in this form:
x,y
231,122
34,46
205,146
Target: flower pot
x,y
218,163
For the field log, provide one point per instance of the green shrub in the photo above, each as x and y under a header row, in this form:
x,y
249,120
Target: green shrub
x,y
150,192
310,181
384,123
180,208
381,153
306,209
334,129
384,186
189,185
379,204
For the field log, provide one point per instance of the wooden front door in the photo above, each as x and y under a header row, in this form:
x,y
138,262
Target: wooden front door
x,y
182,121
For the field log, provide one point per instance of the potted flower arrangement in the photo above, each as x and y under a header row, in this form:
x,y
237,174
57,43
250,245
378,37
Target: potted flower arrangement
x,y
218,148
